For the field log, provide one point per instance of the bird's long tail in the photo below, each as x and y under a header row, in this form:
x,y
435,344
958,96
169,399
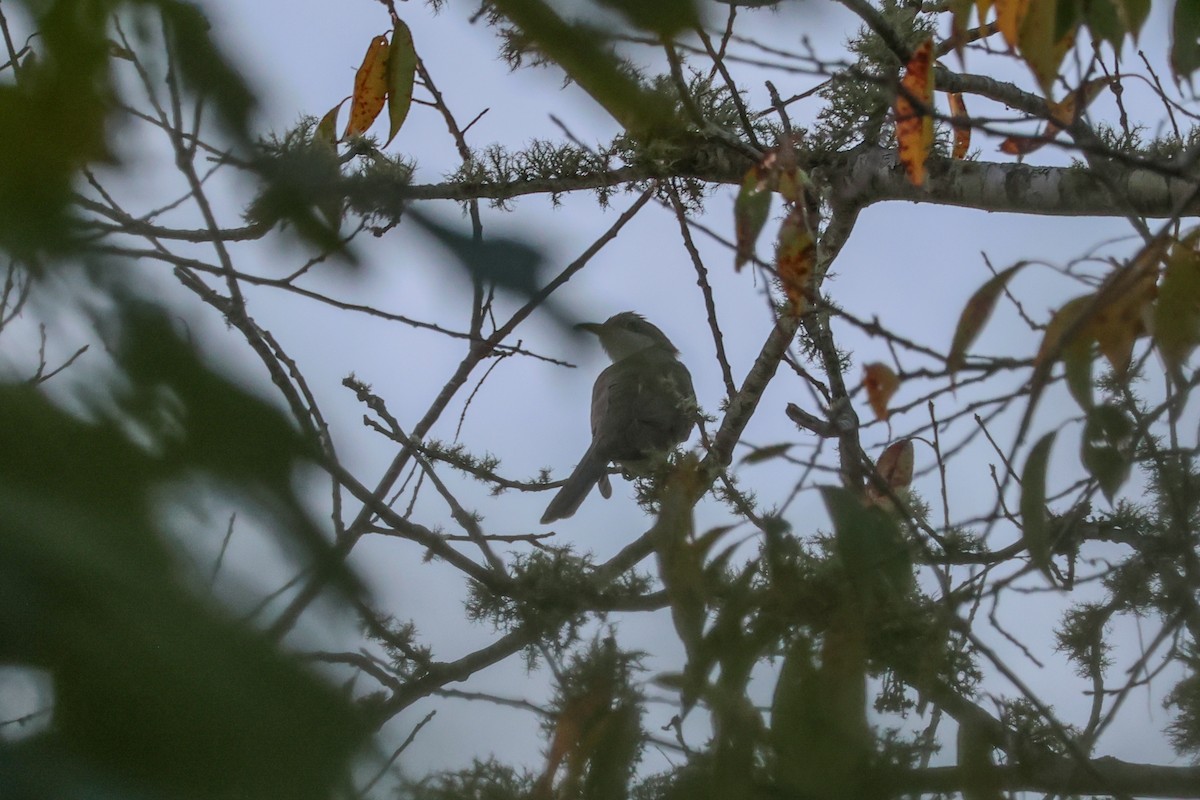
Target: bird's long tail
x,y
588,472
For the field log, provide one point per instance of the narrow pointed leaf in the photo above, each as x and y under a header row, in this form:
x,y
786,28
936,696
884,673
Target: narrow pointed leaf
x,y
401,74
1185,38
976,313
959,119
1034,522
914,124
370,88
326,131
750,211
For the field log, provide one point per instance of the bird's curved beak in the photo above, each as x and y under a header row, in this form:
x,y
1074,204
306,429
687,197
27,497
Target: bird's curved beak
x,y
590,327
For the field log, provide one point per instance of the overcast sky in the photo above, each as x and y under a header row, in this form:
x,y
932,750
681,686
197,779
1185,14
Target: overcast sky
x,y
911,265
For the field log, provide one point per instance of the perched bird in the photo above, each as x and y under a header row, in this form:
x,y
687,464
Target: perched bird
x,y
643,404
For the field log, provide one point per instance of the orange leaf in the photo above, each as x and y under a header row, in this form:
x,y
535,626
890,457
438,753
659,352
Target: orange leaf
x,y
962,130
795,254
881,383
370,88
1062,115
914,125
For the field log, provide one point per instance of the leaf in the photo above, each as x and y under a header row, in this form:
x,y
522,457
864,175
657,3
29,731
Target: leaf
x,y
1105,22
895,466
1123,306
1134,13
586,56
881,383
760,454
871,547
1062,115
1107,447
960,16
370,88
665,18
914,124
750,211
1177,312
959,121
401,74
975,315
795,255
895,469
1039,42
1185,38
1065,338
1034,523
326,130
1009,16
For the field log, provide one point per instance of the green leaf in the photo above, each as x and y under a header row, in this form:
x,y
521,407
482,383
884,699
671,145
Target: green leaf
x,y
665,18
585,55
976,313
402,74
1104,22
1034,524
760,454
750,211
154,683
1185,38
1177,311
204,69
870,545
1134,13
1107,447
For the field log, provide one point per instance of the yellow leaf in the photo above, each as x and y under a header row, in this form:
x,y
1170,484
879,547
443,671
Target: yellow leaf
x,y
401,74
881,383
326,131
370,88
1121,314
962,130
914,125
1037,44
795,255
1009,16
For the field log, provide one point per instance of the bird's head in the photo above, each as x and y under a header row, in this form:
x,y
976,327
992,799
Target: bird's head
x,y
627,333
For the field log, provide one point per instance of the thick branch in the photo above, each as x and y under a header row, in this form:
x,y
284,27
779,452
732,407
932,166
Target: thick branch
x,y
871,175
1108,776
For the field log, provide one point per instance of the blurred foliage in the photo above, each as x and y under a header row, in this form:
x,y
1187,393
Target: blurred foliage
x,y
156,688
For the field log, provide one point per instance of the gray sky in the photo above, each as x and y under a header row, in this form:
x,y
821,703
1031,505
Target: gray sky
x,y
913,266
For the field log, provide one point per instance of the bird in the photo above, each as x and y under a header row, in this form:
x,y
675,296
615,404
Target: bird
x,y
643,404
